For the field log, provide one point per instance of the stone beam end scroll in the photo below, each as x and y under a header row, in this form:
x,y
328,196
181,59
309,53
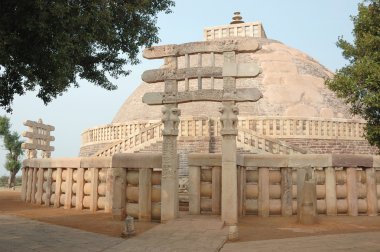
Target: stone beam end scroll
x,y
236,44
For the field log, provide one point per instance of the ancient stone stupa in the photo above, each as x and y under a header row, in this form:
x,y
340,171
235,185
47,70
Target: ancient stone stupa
x,y
297,113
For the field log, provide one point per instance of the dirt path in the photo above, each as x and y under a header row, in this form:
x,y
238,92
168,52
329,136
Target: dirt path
x,y
251,228
102,223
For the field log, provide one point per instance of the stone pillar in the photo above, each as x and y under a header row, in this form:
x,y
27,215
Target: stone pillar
x,y
371,191
94,189
194,189
216,193
40,182
24,183
330,191
79,193
145,194
48,188
352,194
169,180
118,197
263,198
229,170
286,192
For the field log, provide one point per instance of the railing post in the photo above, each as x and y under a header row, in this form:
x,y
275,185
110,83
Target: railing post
x,y
58,182
216,189
145,194
331,208
69,186
29,185
118,198
34,185
286,192
48,188
40,181
371,192
79,193
194,189
263,199
94,189
24,183
352,195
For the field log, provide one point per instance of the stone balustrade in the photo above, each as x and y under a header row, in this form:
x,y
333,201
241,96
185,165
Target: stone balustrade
x,y
255,133
267,184
292,127
247,140
125,184
112,132
275,127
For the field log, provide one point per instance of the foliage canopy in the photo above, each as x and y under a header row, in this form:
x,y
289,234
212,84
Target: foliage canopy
x,y
12,144
47,45
358,83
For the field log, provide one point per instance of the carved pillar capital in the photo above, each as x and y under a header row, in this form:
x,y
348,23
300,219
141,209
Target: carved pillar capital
x,y
170,118
31,153
228,118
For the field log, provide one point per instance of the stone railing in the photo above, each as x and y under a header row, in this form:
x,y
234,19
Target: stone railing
x,y
267,184
249,141
134,142
255,133
112,132
121,185
188,127
292,127
274,127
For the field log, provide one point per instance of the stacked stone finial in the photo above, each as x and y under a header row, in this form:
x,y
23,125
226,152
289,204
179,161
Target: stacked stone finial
x,y
237,19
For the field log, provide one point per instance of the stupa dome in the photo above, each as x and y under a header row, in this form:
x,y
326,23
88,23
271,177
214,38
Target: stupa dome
x,y
292,84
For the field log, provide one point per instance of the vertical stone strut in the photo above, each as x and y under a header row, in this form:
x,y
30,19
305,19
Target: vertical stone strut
x,y
170,119
229,120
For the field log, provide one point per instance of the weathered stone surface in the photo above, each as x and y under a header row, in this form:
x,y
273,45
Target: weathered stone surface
x,y
347,160
376,161
239,45
352,193
331,191
241,95
95,162
308,210
56,162
240,70
205,159
266,160
136,160
311,160
160,75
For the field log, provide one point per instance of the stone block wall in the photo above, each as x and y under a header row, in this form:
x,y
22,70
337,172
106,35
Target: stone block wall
x,y
89,150
324,146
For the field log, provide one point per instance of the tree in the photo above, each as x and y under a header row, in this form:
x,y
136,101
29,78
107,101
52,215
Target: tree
x,y
47,45
12,144
358,83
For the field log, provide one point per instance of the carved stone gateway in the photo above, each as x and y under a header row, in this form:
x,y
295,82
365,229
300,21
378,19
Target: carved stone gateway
x,y
228,96
39,138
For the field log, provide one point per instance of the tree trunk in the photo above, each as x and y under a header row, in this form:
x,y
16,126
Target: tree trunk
x,y
12,179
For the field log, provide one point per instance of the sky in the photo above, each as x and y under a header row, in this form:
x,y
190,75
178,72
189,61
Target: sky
x,y
310,26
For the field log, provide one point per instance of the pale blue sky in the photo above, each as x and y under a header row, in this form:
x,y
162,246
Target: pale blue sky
x,y
310,26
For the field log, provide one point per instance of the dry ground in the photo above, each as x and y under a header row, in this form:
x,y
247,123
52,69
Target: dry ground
x,y
102,223
251,228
